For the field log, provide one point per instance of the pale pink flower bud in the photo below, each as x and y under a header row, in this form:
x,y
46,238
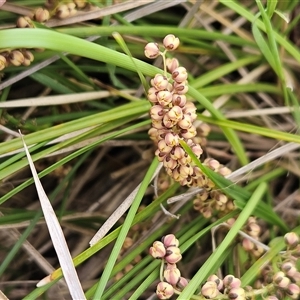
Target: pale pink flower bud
x,y
189,107
204,129
152,94
278,277
175,113
160,155
291,239
180,74
237,294
152,50
185,170
247,245
170,163
224,171
217,280
172,139
157,124
253,229
160,82
186,122
231,282
164,98
181,87
172,64
163,147
197,150
170,240
183,282
179,100
213,164
169,123
210,290
186,159
177,153
164,290
207,212
289,268
157,250
188,133
171,42
157,112
172,274
293,291
153,134
173,255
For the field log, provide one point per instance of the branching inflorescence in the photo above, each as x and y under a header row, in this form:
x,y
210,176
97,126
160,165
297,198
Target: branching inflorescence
x,y
173,117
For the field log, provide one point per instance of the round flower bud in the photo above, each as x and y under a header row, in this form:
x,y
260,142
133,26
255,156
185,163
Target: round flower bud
x,y
210,290
173,255
293,291
80,3
157,112
151,50
169,123
179,100
172,64
175,113
180,74
289,268
164,98
253,229
170,240
164,147
16,58
248,245
171,42
2,62
188,133
181,87
177,153
28,58
72,9
169,162
62,11
171,139
182,283
237,293
24,22
186,122
231,282
157,250
41,15
164,290
172,274
291,239
197,150
213,164
160,82
157,124
217,280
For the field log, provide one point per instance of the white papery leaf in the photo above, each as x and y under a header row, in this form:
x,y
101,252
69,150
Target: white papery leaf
x,y
56,235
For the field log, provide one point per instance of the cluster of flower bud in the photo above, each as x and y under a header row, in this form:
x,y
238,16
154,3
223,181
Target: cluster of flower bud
x,y
54,8
172,117
253,229
15,58
210,199
284,276
167,249
230,286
